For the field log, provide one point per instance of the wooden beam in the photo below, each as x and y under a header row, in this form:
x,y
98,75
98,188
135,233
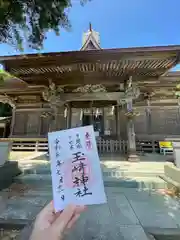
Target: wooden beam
x,y
81,59
29,89
71,81
57,72
91,96
74,80
86,104
156,104
159,82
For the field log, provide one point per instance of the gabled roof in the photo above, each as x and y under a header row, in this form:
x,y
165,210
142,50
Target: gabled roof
x,y
91,43
91,40
111,66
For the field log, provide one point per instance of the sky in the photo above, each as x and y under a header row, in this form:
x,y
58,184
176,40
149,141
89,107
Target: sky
x,y
121,23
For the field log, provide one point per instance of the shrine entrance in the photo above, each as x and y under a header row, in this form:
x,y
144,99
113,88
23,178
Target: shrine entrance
x,y
95,118
86,120
98,123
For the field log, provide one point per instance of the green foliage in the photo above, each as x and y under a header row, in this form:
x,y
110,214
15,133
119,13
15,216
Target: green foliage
x,y
28,21
4,76
5,110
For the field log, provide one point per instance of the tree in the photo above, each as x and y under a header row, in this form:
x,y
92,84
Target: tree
x,y
4,76
28,21
5,110
9,81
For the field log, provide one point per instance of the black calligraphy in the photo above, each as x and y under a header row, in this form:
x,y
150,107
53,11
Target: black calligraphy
x,y
57,145
80,175
59,164
71,143
78,156
78,142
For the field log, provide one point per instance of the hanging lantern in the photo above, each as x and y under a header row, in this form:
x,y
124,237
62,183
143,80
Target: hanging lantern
x,y
65,112
97,112
81,114
112,110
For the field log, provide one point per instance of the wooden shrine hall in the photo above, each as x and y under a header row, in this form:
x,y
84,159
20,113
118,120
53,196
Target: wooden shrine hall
x,y
127,94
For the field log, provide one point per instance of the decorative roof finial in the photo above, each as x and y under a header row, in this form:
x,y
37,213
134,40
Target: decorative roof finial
x,y
90,27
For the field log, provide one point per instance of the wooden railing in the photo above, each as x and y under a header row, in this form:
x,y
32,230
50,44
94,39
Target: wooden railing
x,y
28,144
111,146
103,145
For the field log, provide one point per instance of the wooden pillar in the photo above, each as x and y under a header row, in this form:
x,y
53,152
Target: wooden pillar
x,y
103,121
4,130
62,119
132,156
39,127
69,116
148,118
12,121
91,110
118,123
54,119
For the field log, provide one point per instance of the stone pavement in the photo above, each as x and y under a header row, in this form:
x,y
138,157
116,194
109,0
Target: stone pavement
x,y
130,213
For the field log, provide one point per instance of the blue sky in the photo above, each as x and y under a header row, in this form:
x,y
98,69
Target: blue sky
x,y
121,23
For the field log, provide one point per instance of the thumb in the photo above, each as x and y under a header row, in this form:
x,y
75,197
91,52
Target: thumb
x,y
60,224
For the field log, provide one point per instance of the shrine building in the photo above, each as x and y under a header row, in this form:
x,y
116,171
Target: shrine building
x,y
129,95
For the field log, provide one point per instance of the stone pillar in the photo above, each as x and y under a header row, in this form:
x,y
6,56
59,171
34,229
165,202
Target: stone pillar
x,y
132,155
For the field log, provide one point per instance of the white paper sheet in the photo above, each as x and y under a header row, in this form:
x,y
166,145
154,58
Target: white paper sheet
x,y
75,168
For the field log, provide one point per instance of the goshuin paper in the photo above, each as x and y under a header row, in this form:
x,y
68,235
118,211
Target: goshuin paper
x,y
75,168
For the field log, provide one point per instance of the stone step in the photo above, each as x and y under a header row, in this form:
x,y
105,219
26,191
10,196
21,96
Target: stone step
x,y
43,181
114,173
162,233
109,165
113,169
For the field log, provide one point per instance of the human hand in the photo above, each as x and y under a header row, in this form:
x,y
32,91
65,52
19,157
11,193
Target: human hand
x,y
51,225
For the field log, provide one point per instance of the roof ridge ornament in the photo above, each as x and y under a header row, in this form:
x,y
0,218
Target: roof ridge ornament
x,y
91,39
90,27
